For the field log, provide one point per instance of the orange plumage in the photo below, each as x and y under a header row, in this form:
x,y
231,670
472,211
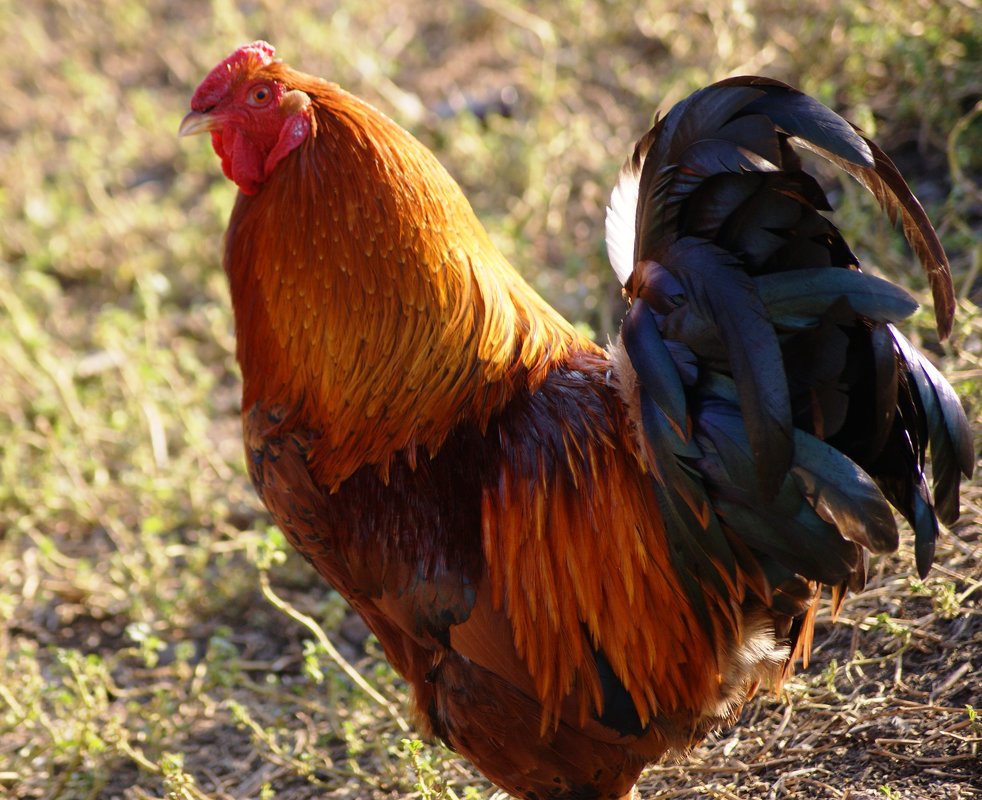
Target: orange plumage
x,y
580,560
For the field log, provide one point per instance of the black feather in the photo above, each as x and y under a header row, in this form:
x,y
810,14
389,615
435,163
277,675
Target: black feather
x,y
720,292
808,293
951,439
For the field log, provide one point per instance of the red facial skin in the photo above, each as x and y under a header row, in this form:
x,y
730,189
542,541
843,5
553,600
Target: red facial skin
x,y
252,128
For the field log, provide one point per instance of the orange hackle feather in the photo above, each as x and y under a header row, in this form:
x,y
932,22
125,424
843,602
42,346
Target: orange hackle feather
x,y
369,269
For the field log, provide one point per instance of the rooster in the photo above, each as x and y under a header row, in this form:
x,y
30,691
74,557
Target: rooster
x,y
582,561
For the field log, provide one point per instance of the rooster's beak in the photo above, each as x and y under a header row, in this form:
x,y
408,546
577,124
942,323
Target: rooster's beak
x,y
198,122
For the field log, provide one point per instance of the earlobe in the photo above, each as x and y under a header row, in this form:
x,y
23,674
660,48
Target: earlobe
x,y
294,102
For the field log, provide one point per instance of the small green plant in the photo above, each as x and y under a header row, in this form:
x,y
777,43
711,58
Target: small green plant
x,y
943,594
149,646
428,781
974,720
178,784
945,599
884,622
312,654
829,675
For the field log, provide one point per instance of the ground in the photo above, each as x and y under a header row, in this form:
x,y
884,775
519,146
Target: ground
x,y
156,639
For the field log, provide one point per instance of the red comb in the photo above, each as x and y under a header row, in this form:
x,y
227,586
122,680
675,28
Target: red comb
x,y
214,87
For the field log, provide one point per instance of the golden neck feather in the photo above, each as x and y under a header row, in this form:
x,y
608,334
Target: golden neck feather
x,y
370,303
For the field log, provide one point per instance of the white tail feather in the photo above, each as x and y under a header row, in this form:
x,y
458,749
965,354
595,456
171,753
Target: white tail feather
x,y
621,214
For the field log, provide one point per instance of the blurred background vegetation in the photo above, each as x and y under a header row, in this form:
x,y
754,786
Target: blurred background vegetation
x,y
152,632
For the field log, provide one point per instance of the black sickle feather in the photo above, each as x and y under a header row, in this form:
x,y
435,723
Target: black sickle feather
x,y
821,130
951,439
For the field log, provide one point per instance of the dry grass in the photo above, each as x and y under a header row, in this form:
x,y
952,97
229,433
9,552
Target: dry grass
x,y
143,650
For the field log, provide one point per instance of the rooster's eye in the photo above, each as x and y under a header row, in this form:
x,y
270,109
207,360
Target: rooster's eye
x,y
260,95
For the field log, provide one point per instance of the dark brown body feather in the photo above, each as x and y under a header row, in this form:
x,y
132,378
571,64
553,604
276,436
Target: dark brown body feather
x,y
581,561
